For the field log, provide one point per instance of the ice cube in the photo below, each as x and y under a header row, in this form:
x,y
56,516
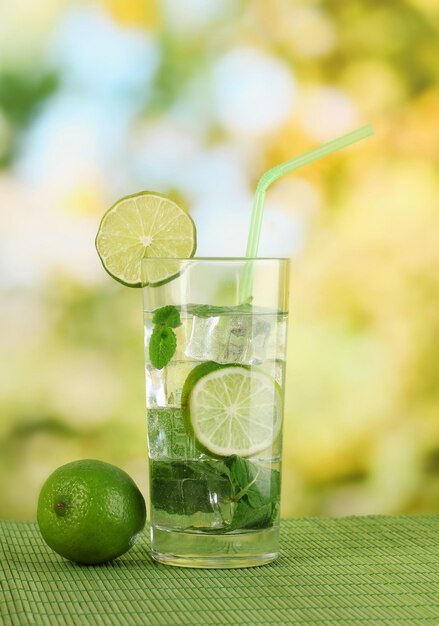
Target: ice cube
x,y
221,338
164,387
168,437
243,339
194,495
268,338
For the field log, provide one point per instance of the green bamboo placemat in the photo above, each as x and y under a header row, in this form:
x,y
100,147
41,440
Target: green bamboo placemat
x,y
364,570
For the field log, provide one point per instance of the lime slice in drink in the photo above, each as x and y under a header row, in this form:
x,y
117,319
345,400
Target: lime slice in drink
x,y
143,225
232,409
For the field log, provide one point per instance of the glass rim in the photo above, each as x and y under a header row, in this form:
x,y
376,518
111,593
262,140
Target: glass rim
x,y
242,259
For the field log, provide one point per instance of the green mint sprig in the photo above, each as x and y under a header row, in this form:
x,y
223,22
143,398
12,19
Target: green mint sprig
x,y
253,488
207,310
256,493
163,342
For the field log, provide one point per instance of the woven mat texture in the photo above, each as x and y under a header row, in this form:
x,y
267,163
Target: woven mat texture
x,y
363,570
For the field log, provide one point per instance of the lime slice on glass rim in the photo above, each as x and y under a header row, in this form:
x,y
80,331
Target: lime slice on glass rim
x,y
232,409
145,225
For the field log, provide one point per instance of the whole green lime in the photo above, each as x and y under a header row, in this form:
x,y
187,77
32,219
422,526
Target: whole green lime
x,y
90,512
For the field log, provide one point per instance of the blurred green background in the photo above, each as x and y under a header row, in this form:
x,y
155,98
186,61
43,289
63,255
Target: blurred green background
x,y
197,98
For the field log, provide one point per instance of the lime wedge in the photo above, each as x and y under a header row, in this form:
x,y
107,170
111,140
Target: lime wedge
x,y
232,409
144,225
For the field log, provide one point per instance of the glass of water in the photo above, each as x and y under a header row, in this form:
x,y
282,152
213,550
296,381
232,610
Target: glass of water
x,y
215,371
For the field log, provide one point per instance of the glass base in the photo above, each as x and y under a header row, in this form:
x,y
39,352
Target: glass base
x,y
244,549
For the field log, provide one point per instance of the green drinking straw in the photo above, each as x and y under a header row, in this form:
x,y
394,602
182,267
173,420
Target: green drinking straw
x,y
276,172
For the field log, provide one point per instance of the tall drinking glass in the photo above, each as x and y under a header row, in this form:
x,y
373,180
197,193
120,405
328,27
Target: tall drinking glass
x,y
215,371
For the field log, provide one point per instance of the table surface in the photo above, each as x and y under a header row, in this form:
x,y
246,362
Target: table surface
x,y
361,570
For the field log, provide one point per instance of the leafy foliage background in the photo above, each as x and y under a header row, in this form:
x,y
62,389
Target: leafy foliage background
x,y
197,99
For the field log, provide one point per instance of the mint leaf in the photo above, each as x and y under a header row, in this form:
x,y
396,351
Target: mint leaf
x,y
163,341
259,484
246,516
206,310
167,316
185,488
256,492
162,346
